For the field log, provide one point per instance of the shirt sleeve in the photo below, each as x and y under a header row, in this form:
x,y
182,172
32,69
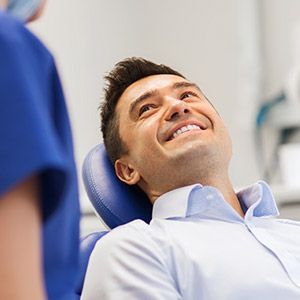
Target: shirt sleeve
x,y
29,144
127,264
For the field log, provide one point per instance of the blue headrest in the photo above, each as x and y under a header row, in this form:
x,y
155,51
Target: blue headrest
x,y
116,202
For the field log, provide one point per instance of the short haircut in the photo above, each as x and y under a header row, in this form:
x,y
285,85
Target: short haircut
x,y
124,73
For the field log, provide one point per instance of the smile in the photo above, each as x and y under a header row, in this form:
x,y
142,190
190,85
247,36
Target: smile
x,y
184,129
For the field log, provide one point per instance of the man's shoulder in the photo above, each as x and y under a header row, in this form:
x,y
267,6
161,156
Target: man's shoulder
x,y
136,235
129,238
136,238
132,231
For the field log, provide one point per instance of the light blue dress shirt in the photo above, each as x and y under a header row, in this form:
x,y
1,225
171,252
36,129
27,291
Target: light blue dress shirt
x,y
198,247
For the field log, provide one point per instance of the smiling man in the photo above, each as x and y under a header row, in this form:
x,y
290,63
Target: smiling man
x,y
204,241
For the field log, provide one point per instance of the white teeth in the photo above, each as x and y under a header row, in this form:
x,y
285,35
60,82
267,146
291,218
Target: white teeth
x,y
184,129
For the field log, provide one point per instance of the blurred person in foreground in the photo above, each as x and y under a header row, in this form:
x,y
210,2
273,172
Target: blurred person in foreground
x,y
205,241
39,209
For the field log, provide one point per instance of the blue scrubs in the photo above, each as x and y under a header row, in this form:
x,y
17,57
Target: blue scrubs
x,y
35,138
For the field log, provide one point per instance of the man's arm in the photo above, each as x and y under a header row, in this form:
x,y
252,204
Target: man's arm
x,y
21,275
127,264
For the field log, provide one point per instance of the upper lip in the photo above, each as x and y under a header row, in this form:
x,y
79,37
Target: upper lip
x,y
170,132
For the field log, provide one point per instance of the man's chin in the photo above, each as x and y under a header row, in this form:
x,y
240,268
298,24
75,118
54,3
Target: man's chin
x,y
190,152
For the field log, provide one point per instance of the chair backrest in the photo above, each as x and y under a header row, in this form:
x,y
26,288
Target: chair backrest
x,y
115,202
87,245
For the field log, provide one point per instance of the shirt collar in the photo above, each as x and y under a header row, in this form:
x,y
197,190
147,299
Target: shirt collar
x,y
258,200
208,202
173,204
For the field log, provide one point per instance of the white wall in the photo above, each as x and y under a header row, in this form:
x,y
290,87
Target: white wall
x,y
203,39
216,43
239,52
281,20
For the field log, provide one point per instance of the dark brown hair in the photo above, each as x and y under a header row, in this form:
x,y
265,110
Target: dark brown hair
x,y
125,73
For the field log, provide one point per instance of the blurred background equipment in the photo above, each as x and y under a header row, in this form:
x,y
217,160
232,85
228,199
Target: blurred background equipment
x,y
282,117
280,163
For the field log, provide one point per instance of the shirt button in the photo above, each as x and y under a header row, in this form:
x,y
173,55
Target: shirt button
x,y
210,197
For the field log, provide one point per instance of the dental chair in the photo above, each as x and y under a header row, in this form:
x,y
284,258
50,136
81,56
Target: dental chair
x,y
115,202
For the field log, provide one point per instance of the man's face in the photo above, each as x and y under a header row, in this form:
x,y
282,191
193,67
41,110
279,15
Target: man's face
x,y
173,134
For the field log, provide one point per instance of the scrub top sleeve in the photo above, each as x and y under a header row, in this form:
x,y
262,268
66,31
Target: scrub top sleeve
x,y
29,141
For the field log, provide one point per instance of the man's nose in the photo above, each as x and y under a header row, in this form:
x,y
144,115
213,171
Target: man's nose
x,y
176,109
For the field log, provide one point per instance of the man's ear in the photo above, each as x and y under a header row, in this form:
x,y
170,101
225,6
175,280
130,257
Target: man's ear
x,y
126,172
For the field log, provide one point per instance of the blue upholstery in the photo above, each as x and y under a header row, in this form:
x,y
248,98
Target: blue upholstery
x,y
87,245
115,202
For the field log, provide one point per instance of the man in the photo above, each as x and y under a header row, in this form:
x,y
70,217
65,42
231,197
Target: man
x,y
204,240
39,209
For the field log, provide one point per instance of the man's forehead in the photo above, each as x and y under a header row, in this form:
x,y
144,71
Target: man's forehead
x,y
149,84
154,82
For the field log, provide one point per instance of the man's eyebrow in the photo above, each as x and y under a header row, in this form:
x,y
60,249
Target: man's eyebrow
x,y
186,84
141,98
151,93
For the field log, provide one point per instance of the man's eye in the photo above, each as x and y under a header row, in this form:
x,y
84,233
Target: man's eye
x,y
145,108
187,95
